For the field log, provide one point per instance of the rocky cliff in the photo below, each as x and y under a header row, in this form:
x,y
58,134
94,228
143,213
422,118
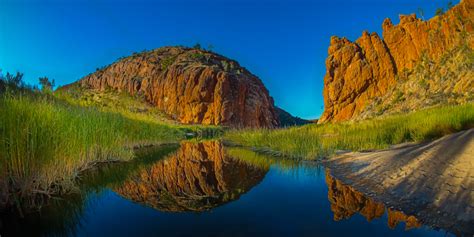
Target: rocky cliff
x,y
198,177
369,68
192,86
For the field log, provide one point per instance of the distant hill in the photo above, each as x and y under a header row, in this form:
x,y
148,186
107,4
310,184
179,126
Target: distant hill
x,y
190,85
286,119
416,64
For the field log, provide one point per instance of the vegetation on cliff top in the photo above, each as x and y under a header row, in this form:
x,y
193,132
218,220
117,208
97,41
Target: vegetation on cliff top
x,y
448,81
317,141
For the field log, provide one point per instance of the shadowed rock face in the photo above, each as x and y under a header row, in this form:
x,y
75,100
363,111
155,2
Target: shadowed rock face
x,y
357,72
197,177
346,201
192,86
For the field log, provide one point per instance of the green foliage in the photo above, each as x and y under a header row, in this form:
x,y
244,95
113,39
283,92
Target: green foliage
x,y
439,11
450,5
423,84
46,84
11,82
197,55
45,143
197,46
166,62
398,97
317,141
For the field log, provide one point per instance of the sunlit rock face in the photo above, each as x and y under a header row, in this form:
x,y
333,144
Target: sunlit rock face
x,y
359,71
346,201
197,177
192,86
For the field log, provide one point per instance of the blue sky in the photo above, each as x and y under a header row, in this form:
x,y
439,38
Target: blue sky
x,y
284,42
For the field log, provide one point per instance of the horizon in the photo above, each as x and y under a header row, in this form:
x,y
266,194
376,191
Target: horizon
x,y
282,42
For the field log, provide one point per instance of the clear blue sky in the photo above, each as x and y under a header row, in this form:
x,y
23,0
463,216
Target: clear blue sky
x,y
284,42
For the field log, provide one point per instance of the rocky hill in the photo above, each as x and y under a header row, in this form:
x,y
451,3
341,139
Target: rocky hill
x,y
421,62
191,86
287,120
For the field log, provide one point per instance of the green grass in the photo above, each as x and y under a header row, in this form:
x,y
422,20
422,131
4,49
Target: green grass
x,y
45,143
132,107
317,141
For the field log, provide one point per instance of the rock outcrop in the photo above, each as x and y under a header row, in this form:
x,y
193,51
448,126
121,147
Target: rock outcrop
x,y
198,177
192,86
357,72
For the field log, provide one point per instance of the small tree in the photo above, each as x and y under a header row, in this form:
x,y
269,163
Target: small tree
x,y
2,82
14,81
450,5
197,46
439,11
46,84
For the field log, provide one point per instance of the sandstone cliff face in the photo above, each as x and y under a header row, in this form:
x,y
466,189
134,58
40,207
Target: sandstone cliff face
x,y
357,72
192,86
197,177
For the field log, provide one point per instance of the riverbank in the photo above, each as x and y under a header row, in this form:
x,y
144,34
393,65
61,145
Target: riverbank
x,y
314,142
433,181
45,143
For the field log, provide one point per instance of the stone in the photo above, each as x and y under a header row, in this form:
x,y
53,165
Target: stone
x,y
192,86
357,73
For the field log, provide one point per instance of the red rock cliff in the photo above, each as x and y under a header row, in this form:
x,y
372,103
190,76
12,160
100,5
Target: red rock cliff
x,y
357,72
193,86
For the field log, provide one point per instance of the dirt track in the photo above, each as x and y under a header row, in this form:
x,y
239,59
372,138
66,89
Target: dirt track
x,y
433,181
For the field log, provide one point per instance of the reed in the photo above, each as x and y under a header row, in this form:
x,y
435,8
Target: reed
x,y
318,141
45,143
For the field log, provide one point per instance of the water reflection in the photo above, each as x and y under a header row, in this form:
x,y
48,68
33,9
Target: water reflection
x,y
198,177
162,190
63,216
346,201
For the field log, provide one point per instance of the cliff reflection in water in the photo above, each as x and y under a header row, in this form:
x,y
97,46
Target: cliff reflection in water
x,y
346,201
198,177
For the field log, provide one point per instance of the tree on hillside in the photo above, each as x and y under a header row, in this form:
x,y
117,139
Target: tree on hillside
x,y
439,11
197,46
11,82
14,81
450,5
46,84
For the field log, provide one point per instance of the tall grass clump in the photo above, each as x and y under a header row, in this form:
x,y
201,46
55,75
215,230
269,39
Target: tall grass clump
x,y
316,141
45,143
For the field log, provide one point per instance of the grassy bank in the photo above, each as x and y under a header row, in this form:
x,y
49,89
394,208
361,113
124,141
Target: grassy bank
x,y
316,141
45,143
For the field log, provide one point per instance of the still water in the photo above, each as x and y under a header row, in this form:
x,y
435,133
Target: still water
x,y
206,189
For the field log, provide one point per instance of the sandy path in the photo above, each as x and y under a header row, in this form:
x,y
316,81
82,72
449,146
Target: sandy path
x,y
433,181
